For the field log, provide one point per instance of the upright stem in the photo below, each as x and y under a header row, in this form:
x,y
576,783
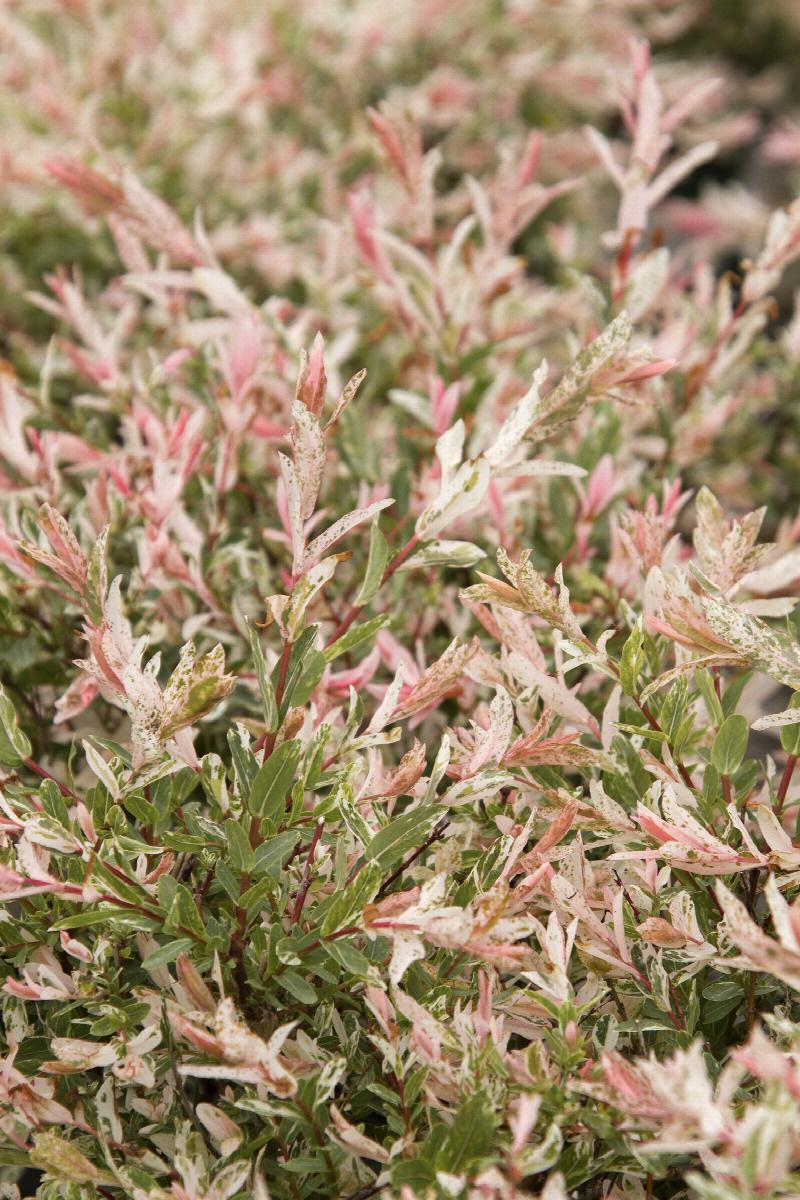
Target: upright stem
x,y
653,723
783,786
305,882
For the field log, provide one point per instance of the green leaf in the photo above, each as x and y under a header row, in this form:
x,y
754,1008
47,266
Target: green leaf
x,y
254,897
270,854
400,836
469,1137
355,636
733,691
98,916
240,853
415,1174
298,987
166,953
376,564
705,686
268,702
294,672
313,669
54,803
630,662
274,780
730,744
655,735
146,814
31,1053
349,958
349,902
790,734
244,762
184,841
183,914
14,745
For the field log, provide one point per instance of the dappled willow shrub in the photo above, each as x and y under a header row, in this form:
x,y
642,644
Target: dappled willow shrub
x,y
397,724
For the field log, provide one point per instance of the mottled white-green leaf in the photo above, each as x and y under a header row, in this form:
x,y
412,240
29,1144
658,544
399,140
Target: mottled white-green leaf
x,y
486,785
14,744
517,423
566,400
343,799
96,579
402,835
464,493
356,636
101,769
340,528
376,564
534,467
295,506
350,902
267,691
444,554
646,282
631,660
768,649
308,442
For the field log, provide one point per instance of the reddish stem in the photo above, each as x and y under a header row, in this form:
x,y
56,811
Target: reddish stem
x,y
330,937
412,858
353,612
40,771
783,786
305,882
653,723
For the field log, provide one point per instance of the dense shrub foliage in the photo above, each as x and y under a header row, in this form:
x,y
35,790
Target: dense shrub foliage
x,y
398,719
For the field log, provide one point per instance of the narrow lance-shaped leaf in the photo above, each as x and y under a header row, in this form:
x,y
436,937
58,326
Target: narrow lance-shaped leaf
x,y
376,564
265,687
308,442
402,835
567,399
342,527
274,780
14,744
464,493
517,423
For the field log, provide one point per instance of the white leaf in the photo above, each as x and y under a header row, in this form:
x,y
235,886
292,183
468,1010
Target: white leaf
x,y
337,531
465,492
295,505
518,422
449,451
308,441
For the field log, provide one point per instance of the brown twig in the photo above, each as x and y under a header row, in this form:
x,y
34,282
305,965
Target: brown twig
x,y
434,837
783,786
43,774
